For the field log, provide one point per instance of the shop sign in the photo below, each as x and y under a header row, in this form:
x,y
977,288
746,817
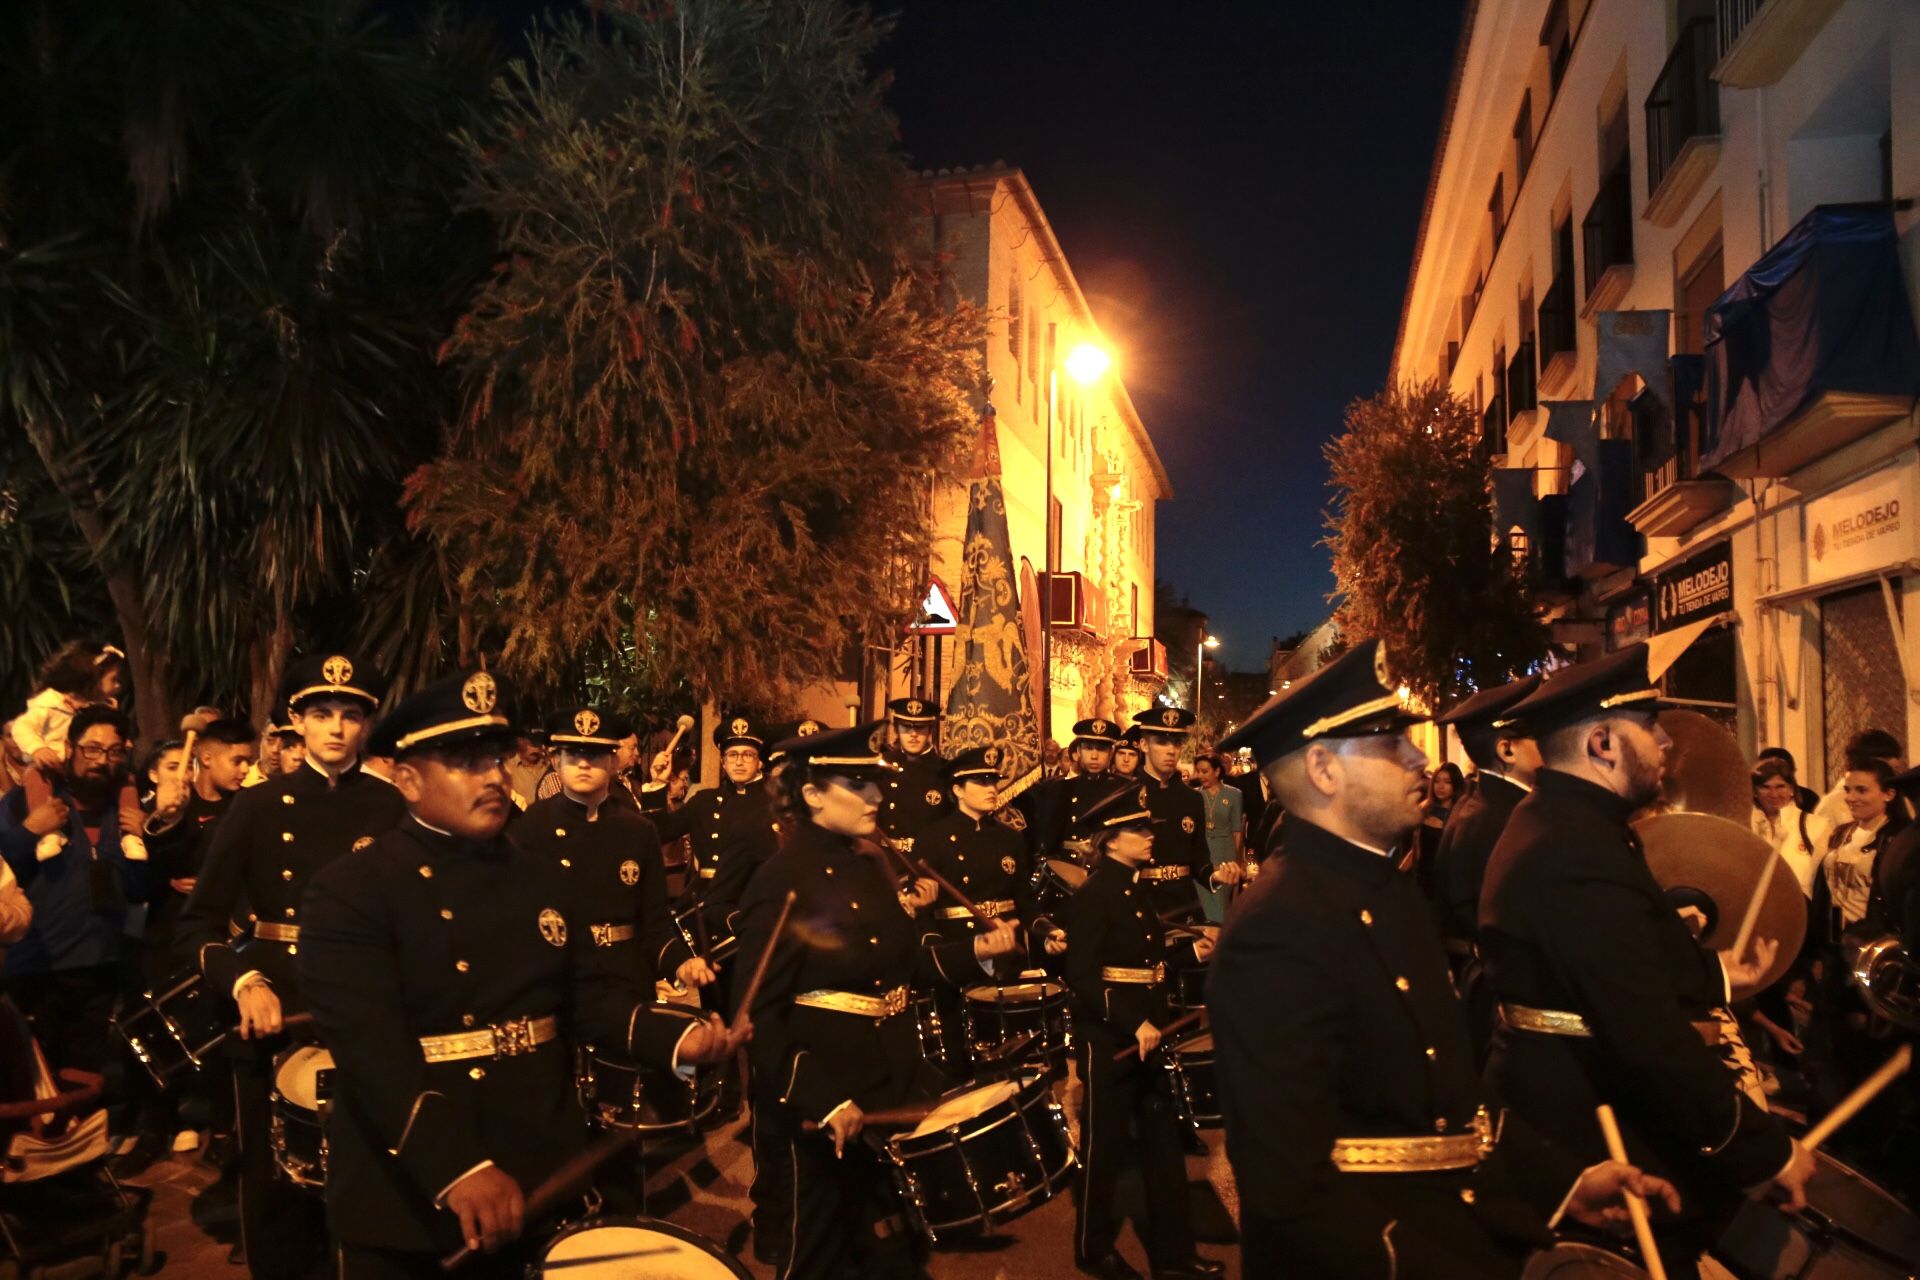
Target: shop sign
x,y
1629,622
1860,527
1698,588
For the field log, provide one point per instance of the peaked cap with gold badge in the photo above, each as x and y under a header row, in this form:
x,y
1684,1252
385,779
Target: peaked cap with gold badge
x,y
1125,805
460,708
1618,682
1105,733
976,763
331,675
740,730
913,711
852,753
1354,696
586,727
1173,722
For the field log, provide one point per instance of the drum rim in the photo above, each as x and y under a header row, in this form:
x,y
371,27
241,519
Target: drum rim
x,y
1051,990
1029,1081
686,1235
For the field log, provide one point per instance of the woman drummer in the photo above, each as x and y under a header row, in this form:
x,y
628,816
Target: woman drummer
x,y
832,1022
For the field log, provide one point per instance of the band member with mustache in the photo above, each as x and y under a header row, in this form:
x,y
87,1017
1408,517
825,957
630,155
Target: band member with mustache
x,y
835,1028
1598,980
440,962
1117,968
242,923
1362,1141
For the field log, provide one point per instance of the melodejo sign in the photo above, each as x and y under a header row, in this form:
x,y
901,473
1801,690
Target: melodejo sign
x,y
1699,587
1859,528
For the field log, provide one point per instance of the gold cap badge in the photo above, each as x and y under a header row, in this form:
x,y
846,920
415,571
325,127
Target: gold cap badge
x,y
337,670
585,723
480,693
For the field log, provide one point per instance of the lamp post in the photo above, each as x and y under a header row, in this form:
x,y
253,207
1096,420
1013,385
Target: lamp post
x,y
1205,643
1086,365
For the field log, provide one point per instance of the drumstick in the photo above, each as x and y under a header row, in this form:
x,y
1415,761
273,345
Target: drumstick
x,y
959,897
559,1184
288,1022
1889,1071
1186,1019
913,1113
1636,1207
680,728
760,969
186,756
1752,918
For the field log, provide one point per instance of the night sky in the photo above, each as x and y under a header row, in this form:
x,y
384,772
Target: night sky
x,y
1237,187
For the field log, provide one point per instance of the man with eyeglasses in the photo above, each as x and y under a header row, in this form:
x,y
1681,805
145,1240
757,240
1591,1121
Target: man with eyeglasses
x,y
64,973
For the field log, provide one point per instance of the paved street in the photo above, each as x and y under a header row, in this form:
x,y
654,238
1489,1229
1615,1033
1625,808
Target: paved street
x,y
704,1188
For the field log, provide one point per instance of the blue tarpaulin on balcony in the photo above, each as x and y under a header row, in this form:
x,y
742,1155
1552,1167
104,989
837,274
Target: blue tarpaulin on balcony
x,y
1824,310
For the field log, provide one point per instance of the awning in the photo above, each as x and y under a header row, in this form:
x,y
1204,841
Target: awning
x,y
1664,650
1796,595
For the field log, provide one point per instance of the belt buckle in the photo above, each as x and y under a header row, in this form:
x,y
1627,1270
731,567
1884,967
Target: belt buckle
x,y
602,934
1159,974
511,1039
895,1001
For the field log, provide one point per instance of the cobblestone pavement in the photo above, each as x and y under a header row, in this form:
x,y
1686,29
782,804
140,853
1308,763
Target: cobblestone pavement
x,y
703,1188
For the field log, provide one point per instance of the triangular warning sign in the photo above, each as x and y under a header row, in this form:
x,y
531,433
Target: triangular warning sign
x,y
937,615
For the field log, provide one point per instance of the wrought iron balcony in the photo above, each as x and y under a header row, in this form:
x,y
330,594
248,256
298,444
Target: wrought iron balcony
x,y
1607,236
1684,106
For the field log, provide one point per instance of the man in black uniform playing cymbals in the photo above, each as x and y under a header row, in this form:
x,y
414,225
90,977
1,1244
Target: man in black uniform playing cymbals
x,y
439,962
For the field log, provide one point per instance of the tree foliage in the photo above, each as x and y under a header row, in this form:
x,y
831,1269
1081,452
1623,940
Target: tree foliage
x,y
712,375
1413,554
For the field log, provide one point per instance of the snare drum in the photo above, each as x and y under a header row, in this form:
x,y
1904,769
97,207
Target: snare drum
x,y
297,1109
985,1155
173,1032
1194,1085
997,1014
718,948
1570,1261
1058,881
619,1093
621,1248
1850,1230
943,1040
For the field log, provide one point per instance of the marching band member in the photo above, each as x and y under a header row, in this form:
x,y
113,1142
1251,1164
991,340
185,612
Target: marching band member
x,y
1126,754
834,1028
1117,970
272,841
916,791
1180,852
440,961
1360,1138
983,855
1598,979
1053,806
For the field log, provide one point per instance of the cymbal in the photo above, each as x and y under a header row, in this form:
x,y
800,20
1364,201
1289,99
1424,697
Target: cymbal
x,y
1724,861
1705,771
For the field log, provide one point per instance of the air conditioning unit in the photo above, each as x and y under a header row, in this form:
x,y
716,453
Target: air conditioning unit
x,y
1073,603
1149,660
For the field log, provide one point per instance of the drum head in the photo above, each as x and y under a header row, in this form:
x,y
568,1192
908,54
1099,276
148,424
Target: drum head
x,y
1863,1211
1569,1261
1196,1047
635,1249
963,1105
1070,874
1017,993
296,1075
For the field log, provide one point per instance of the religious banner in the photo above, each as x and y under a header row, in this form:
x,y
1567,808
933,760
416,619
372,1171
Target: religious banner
x,y
1630,343
1571,423
991,703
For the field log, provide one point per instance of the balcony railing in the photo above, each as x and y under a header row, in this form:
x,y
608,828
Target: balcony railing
x,y
1685,102
1557,320
1607,232
1522,380
1734,17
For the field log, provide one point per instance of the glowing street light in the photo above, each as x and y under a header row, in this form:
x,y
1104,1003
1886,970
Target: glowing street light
x,y
1087,363
1200,664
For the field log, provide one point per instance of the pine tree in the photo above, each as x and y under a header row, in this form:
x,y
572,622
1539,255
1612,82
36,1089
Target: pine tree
x,y
712,375
1413,552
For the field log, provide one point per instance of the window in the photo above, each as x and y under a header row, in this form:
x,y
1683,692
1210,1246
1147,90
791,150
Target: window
x,y
1135,589
1033,364
1556,34
1497,206
1054,517
1698,288
1016,334
1523,139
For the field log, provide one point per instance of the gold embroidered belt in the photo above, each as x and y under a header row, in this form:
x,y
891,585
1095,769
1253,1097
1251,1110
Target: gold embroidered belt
x,y
605,935
1546,1022
1138,977
991,907
899,844
503,1040
266,929
1427,1153
708,873
884,1005
1552,1022
1165,873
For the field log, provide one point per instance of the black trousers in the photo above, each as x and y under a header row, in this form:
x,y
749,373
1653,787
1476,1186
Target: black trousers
x,y
282,1227
837,1204
69,1010
772,1187
1127,1111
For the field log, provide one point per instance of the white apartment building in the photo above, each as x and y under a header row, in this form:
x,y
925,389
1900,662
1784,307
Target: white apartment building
x,y
1670,255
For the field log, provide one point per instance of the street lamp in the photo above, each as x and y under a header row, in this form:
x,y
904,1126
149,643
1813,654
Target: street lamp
x,y
1086,364
1200,664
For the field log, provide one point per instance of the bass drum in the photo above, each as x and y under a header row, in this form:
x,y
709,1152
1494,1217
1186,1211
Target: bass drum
x,y
1571,1261
621,1248
1850,1230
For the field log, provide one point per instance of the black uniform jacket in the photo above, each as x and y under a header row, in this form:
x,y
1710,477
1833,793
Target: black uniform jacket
x,y
613,862
424,934
1572,921
272,841
1056,803
1333,1017
1465,846
986,860
178,852
1111,923
847,932
731,831
1179,839
914,796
